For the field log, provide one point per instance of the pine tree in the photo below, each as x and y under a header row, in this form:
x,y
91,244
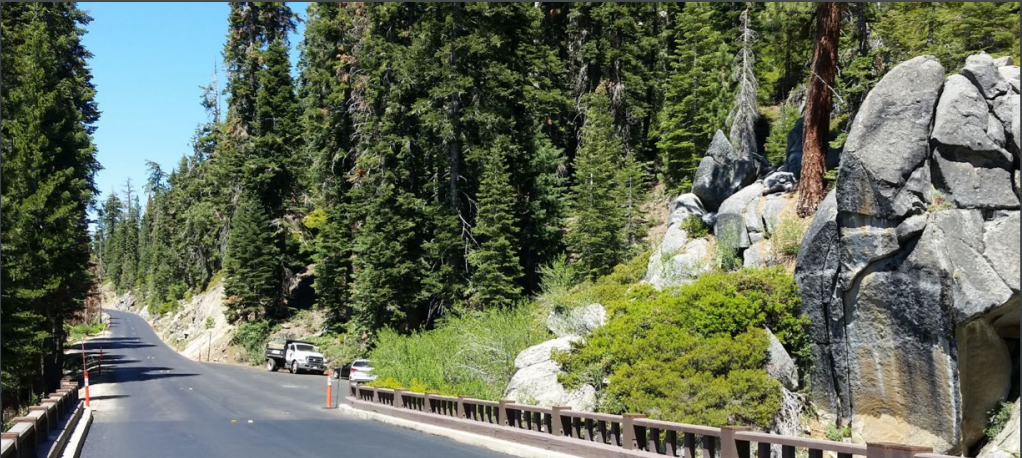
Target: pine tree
x,y
595,237
819,102
252,283
745,109
496,271
696,91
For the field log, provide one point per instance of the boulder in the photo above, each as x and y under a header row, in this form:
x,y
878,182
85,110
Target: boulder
x,y
680,268
760,254
984,364
779,364
1001,247
674,240
535,381
816,269
962,116
773,207
864,240
577,321
1015,127
1005,109
736,214
983,72
995,130
1010,74
1004,61
683,207
722,172
779,182
978,289
889,138
1005,444
910,228
793,157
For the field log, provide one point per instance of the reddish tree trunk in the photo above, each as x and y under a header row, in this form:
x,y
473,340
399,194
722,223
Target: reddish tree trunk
x,y
819,103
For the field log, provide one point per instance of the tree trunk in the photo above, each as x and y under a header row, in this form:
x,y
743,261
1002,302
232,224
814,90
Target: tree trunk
x,y
819,102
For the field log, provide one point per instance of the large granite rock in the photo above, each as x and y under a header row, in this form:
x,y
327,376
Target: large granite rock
x,y
739,216
683,207
913,300
1005,444
578,321
722,172
535,382
779,364
889,139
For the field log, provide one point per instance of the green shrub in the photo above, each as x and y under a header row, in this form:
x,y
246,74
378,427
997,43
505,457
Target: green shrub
x,y
940,202
210,323
787,236
836,434
83,330
999,416
693,354
695,227
726,250
251,339
472,355
340,349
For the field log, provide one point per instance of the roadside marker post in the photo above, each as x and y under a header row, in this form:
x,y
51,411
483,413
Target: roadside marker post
x,y
85,372
329,391
100,361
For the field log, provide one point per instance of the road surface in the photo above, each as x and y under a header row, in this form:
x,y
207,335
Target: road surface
x,y
152,402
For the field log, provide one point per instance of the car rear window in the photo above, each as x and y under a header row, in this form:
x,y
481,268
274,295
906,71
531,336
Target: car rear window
x,y
360,364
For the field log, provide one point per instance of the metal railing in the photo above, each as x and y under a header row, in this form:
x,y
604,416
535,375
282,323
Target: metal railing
x,y
635,434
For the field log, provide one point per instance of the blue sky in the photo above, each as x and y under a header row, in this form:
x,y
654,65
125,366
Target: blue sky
x,y
149,61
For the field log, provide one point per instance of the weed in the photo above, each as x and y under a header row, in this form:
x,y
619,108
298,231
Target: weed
x,y
999,417
940,202
695,227
837,434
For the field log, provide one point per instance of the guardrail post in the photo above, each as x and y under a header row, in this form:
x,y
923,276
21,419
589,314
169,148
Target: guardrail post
x,y
729,446
429,402
460,406
504,413
884,450
628,436
376,395
559,427
399,399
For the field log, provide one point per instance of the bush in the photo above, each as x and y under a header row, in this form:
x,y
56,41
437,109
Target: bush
x,y
83,330
693,354
340,349
695,227
787,237
251,338
999,416
472,355
726,250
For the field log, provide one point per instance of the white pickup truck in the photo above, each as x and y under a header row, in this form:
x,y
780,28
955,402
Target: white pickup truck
x,y
296,355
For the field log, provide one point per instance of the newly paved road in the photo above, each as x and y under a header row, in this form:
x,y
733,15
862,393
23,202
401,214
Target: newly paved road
x,y
152,402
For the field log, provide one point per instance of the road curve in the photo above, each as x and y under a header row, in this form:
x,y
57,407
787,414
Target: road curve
x,y
151,402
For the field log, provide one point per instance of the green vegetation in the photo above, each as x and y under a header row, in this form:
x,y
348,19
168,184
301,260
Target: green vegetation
x,y
693,354
787,236
83,330
940,202
472,355
725,255
837,434
998,417
695,227
251,338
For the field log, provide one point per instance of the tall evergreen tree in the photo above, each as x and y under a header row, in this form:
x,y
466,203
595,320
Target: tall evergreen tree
x,y
496,270
252,285
819,102
595,237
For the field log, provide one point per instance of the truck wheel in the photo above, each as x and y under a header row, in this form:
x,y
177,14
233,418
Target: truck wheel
x,y
271,365
294,367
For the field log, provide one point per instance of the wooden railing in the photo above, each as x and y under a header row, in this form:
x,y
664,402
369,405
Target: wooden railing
x,y
599,435
58,412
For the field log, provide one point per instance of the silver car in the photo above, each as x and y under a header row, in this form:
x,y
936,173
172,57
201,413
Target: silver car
x,y
360,371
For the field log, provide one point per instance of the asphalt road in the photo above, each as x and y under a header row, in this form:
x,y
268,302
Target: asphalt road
x,y
152,402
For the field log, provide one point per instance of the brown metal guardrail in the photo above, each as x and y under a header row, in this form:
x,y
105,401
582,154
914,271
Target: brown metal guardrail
x,y
600,435
58,412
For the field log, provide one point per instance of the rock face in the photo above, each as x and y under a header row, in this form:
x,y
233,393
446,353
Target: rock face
x,y
780,366
909,271
722,172
576,322
535,382
793,156
680,258
1006,444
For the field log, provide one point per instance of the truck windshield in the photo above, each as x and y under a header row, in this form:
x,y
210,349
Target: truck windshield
x,y
304,347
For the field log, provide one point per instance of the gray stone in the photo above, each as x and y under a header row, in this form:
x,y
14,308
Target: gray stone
x,y
983,72
710,219
1005,108
674,240
1001,247
578,321
962,117
760,254
984,365
722,172
535,381
889,138
910,228
773,207
816,269
864,240
683,207
1005,444
978,289
1004,61
779,182
1015,127
779,364
793,156
995,130
731,225
916,196
680,267
975,180
1010,74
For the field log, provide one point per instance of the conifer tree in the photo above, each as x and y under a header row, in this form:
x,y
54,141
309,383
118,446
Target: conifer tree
x,y
595,237
745,109
252,283
496,271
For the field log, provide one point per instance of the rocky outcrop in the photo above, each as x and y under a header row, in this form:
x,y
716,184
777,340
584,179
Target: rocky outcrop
x,y
1006,443
578,321
909,271
680,258
793,157
779,365
722,172
535,382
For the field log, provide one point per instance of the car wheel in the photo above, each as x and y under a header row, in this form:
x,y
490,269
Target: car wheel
x,y
294,367
271,365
